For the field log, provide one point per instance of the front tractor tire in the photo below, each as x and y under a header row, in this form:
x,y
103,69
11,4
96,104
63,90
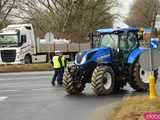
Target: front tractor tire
x,y
140,80
72,87
103,80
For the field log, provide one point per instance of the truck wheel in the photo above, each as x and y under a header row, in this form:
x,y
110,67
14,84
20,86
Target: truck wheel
x,y
73,88
27,59
140,80
103,80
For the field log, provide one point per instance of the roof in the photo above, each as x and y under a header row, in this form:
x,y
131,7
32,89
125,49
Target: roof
x,y
112,30
18,25
8,32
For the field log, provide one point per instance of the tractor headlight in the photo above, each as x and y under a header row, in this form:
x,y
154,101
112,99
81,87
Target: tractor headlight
x,y
81,57
78,58
84,59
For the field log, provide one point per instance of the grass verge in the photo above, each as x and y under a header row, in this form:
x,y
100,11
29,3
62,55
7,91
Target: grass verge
x,y
133,108
24,67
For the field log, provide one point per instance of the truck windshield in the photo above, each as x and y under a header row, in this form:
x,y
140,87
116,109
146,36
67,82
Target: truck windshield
x,y
109,41
9,39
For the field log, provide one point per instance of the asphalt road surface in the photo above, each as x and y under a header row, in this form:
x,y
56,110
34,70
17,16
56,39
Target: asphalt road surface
x,y
30,96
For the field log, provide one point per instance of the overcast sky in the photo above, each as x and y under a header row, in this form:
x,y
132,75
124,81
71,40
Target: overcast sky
x,y
123,10
125,7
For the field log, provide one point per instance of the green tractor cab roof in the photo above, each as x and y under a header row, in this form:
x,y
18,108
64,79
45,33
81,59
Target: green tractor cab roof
x,y
112,30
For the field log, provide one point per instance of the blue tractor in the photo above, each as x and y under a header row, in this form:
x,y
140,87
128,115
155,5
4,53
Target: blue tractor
x,y
109,65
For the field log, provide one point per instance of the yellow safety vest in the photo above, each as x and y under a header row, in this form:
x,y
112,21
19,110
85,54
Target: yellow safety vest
x,y
56,62
63,61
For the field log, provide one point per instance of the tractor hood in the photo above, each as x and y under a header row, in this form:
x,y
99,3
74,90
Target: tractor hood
x,y
97,55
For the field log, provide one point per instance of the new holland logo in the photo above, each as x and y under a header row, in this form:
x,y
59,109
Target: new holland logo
x,y
101,59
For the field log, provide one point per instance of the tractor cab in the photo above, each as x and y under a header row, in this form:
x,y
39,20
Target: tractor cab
x,y
120,41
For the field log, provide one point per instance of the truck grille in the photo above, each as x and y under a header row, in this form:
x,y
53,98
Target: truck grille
x,y
8,55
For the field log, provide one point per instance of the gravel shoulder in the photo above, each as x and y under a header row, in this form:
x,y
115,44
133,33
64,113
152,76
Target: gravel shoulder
x,y
104,112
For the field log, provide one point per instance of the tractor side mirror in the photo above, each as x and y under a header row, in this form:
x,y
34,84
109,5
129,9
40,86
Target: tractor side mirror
x,y
140,36
93,38
90,36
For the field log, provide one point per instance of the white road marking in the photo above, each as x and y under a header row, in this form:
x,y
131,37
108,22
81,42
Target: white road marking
x,y
9,90
3,98
39,89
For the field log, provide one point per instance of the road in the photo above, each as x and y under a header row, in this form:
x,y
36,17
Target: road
x,y
30,96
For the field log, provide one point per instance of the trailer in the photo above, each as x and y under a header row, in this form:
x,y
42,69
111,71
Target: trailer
x,y
18,45
68,48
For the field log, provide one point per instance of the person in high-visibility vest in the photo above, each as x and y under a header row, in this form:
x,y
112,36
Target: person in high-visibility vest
x,y
59,63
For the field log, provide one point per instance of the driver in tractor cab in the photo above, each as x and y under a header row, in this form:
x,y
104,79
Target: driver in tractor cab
x,y
128,41
124,43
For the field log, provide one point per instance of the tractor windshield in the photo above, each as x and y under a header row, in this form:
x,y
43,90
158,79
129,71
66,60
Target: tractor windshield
x,y
109,41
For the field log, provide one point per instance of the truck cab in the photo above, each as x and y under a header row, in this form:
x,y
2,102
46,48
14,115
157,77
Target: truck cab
x,y
17,44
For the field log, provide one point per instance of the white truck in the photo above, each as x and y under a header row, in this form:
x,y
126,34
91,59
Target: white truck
x,y
18,45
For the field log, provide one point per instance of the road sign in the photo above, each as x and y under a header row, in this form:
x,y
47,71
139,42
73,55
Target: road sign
x,y
150,59
49,37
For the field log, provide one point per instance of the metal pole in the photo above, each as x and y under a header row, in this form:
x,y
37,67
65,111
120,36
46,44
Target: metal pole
x,y
49,48
151,78
150,60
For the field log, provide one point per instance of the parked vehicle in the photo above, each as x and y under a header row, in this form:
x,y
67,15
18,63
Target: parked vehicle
x,y
111,63
18,44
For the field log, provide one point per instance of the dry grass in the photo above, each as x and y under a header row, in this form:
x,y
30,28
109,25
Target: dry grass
x,y
24,67
133,108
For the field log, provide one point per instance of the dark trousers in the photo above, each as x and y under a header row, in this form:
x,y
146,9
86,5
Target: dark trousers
x,y
58,75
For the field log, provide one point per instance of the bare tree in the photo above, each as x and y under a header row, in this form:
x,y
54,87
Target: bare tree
x,y
143,13
6,7
79,16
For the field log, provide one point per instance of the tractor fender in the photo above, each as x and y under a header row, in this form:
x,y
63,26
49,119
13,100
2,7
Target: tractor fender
x,y
134,55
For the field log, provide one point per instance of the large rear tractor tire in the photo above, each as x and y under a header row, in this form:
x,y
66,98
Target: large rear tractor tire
x,y
72,87
140,80
103,80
